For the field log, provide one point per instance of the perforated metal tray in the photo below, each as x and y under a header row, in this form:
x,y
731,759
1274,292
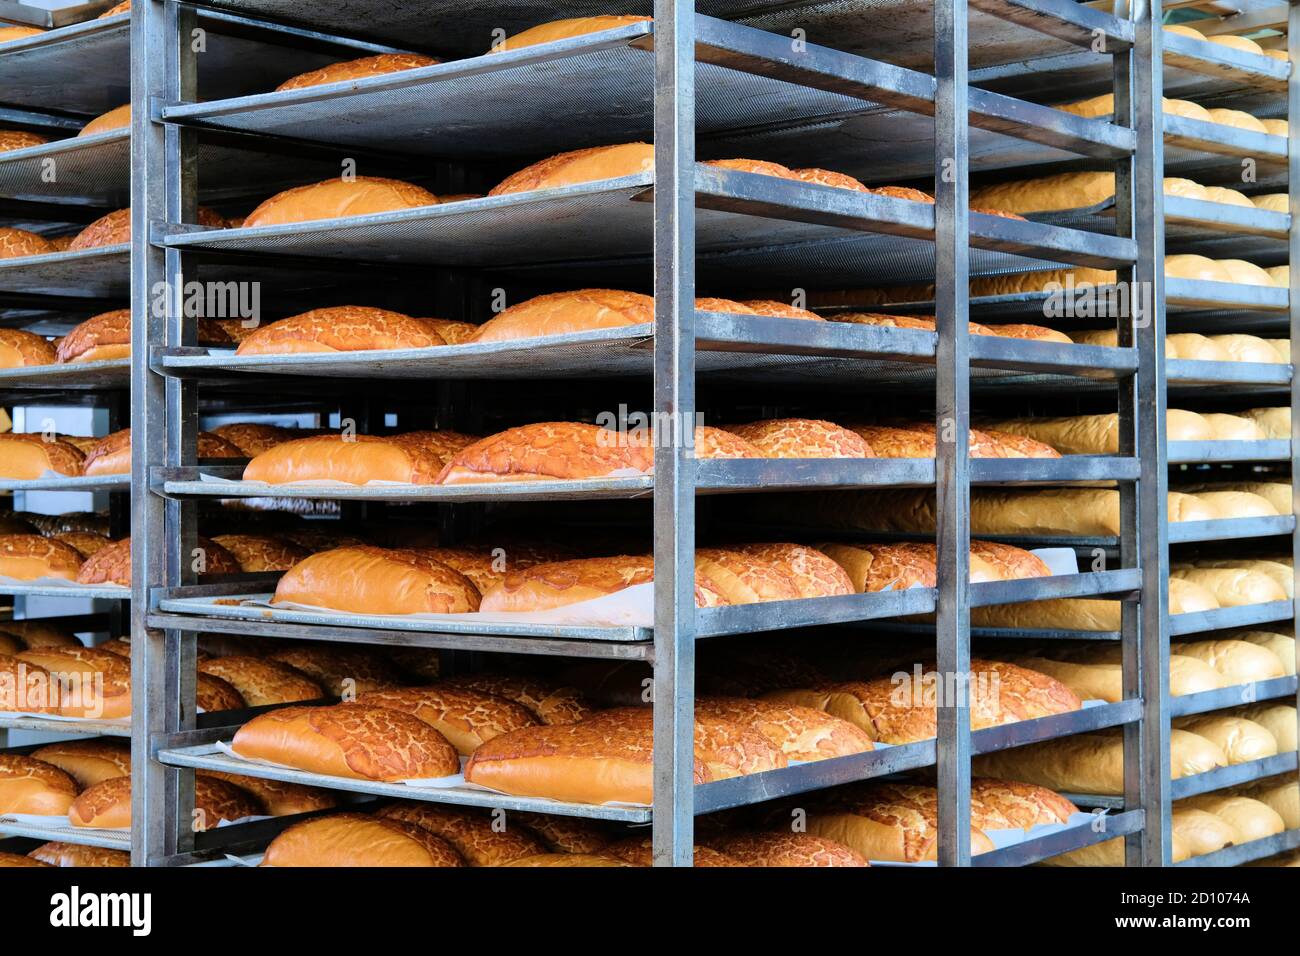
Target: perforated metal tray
x,y
61,483
1191,452
73,591
102,273
74,376
84,836
98,728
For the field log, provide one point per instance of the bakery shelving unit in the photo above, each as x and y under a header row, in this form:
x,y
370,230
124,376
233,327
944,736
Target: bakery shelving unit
x,y
725,78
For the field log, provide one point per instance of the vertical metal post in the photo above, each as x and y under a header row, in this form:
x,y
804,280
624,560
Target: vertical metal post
x,y
952,421
1293,249
674,391
1144,539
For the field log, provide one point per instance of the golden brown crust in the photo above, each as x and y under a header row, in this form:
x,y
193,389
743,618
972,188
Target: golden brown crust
x,y
803,438
92,682
110,230
1023,804
253,438
277,797
473,833
33,786
103,336
1032,333
14,859
11,139
467,718
566,834
1021,446
569,859
17,243
359,69
262,682
22,349
801,733
349,740
558,583
453,332
757,166
903,192
713,442
413,458
564,30
639,851
781,310
917,440
549,450
27,456
730,577
788,849
890,822
580,166
343,328
88,761
359,840
27,557
827,177
74,854
113,11
560,313
367,580
258,552
549,703
212,694
1010,563
118,118
86,543
340,670
24,688
112,563
813,573
108,805
877,567
338,198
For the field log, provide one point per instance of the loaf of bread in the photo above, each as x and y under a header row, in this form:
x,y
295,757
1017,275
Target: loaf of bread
x,y
1282,645
8,860
1103,679
557,30
803,438
1092,763
360,69
117,118
30,557
367,580
1247,348
411,458
111,455
467,718
1232,427
107,805
581,166
1238,504
358,840
569,859
212,694
1099,434
812,572
348,740
1279,719
12,139
549,703
1240,662
342,671
344,328
88,761
114,229
1250,818
801,733
1276,493
262,682
608,758
918,441
253,438
258,553
787,850
91,682
639,851
33,786
1195,832
99,338
1068,191
19,243
112,563
21,349
1233,587
24,688
566,834
1178,345
1023,805
549,451
1281,794
24,457
887,822
1241,740
1274,422
1086,614
471,832
74,854
86,543
562,313
337,199
729,577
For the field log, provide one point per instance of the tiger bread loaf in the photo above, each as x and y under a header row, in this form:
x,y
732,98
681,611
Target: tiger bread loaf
x,y
259,553
801,733
487,564
581,166
11,860
1194,832
341,670
549,702
359,69
30,557
889,823
12,139
902,565
639,851
24,688
28,785
114,229
90,682
107,805
467,718
1097,673
1241,740
413,458
1086,614
262,682
348,740
1021,806
33,634
900,708
568,860
369,580
1249,818
918,440
1239,661
787,849
608,758
346,328
1080,190
1093,762
554,451
24,457
111,564
74,854
339,198
107,336
1233,587
358,840
253,438
88,761
476,834
22,349
566,834
20,243
111,455
557,30
1277,717
561,313
1099,434
802,438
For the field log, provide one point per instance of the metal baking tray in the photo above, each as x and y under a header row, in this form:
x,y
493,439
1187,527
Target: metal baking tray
x,y
1192,452
1092,584
80,592
1226,617
1209,700
208,757
65,483
83,836
1187,372
99,728
1237,854
1232,775
71,376
1054,844
1223,529
103,273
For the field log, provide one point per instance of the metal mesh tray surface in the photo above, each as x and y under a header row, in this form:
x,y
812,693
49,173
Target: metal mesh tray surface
x,y
63,483
90,273
73,376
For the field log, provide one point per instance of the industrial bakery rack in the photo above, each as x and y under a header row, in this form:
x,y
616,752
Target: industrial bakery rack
x,y
55,189
779,81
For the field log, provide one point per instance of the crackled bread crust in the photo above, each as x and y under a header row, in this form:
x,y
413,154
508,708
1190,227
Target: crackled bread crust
x,y
560,313
369,580
338,198
261,682
359,840
28,557
580,166
359,69
33,786
17,243
788,849
803,438
471,832
21,349
344,328
467,718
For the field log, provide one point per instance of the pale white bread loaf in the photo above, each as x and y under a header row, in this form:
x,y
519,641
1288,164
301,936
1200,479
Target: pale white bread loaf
x,y
1233,587
358,840
1278,718
1246,273
1230,197
1187,675
1200,268
1251,819
1241,740
1247,348
1283,645
887,822
1086,614
1240,662
1281,793
1276,493
1237,119
1104,679
1279,572
1103,107
1099,434
1237,504
1077,190
1281,276
1274,202
1178,345
1281,346
1276,127
1273,422
1195,833
1093,763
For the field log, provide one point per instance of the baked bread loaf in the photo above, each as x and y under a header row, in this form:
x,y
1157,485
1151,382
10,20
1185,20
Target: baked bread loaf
x,y
338,199
114,229
1237,118
1092,763
33,786
549,451
12,139
1281,794
639,851
918,441
19,243
74,854
367,580
276,797
1279,719
262,682
467,718
1099,434
257,553
86,543
342,328
1240,662
549,703
253,438
1282,645
884,567
1241,740
56,524
1194,832
1251,819
1104,679
895,823
1238,504
1276,493
558,30
729,577
788,849
1233,587
1233,427
566,834
99,338
342,671
801,733
88,761
112,563
358,840
33,634
91,682
803,438
471,832
17,859
107,805
608,758
562,313
413,458
569,859
21,349
581,166
348,740
30,557
111,455
1023,805
24,688
117,118
1086,614
1247,348
212,694
1274,422
24,457
359,69
813,573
